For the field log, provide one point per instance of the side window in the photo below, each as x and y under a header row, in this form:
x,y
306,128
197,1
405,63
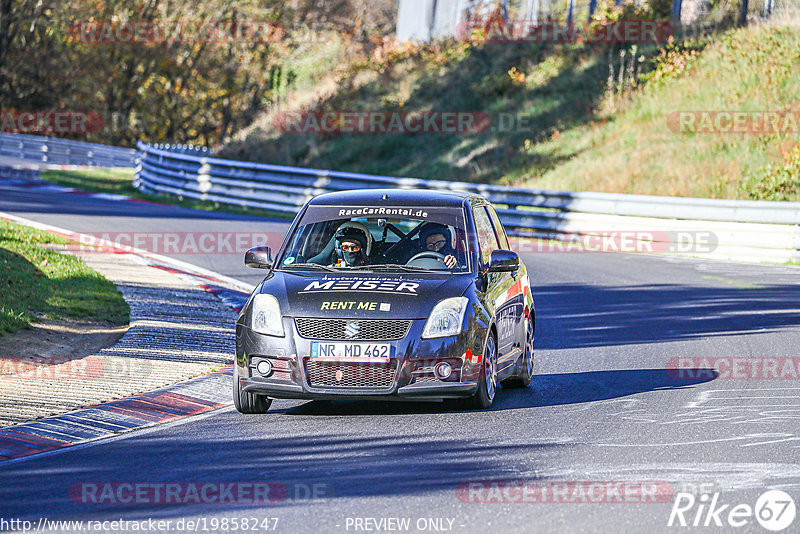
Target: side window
x,y
498,228
487,241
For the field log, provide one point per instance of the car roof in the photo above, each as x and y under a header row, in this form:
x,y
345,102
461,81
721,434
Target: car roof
x,y
396,197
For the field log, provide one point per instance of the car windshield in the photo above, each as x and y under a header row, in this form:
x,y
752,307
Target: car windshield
x,y
402,239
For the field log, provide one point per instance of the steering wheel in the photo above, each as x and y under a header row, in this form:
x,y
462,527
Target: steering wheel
x,y
429,254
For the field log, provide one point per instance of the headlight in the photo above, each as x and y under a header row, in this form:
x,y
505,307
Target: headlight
x,y
266,315
446,318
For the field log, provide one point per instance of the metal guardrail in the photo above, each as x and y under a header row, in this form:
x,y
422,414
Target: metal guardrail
x,y
52,151
755,229
741,229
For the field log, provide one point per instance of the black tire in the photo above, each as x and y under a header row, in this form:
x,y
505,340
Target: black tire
x,y
247,402
487,384
523,377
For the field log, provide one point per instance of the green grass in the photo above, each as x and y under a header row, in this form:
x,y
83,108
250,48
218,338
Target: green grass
x,y
35,281
564,86
577,135
120,181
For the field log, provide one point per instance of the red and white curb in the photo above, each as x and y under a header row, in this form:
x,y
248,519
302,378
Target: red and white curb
x,y
186,399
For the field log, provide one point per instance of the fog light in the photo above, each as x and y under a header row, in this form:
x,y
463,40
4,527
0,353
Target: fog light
x,y
443,370
264,368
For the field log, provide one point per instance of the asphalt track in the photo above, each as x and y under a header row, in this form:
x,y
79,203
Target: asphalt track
x,y
602,408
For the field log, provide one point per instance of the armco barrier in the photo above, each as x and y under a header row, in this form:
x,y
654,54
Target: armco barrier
x,y
51,151
744,229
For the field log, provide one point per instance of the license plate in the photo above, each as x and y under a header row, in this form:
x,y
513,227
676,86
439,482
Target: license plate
x,y
351,351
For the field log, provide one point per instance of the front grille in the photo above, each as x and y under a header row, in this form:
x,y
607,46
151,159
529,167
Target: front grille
x,y
425,378
351,374
367,329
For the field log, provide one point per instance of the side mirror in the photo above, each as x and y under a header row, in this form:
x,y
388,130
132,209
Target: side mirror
x,y
503,261
258,258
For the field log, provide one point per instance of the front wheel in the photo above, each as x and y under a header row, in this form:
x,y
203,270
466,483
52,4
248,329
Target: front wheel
x,y
247,402
487,384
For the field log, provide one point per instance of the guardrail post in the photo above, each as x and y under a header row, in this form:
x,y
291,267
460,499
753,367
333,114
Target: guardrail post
x,y
796,255
203,176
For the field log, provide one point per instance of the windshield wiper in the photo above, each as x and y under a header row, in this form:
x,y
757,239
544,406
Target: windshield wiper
x,y
310,266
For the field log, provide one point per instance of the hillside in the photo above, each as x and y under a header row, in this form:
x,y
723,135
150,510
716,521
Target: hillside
x,y
578,123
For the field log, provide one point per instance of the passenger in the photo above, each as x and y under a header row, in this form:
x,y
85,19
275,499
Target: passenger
x,y
436,238
352,246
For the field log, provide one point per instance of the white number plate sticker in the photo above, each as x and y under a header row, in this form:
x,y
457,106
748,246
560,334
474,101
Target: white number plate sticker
x,y
351,351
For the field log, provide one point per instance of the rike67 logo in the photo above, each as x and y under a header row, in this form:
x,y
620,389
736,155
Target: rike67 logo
x,y
774,510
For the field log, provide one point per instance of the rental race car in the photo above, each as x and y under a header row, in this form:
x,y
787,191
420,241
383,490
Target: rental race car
x,y
386,294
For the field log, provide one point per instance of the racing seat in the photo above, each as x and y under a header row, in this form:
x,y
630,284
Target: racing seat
x,y
328,255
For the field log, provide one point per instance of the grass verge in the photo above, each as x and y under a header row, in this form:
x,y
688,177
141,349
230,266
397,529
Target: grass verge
x,y
638,150
578,116
35,281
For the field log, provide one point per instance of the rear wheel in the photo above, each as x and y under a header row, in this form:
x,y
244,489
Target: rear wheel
x,y
247,402
487,384
523,377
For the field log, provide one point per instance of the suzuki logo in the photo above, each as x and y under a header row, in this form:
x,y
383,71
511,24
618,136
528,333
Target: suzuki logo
x,y
351,330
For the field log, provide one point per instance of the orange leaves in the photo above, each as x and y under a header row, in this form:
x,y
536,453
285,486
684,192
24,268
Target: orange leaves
x,y
517,77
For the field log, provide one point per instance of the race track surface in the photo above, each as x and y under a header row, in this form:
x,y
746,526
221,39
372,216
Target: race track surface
x,y
603,413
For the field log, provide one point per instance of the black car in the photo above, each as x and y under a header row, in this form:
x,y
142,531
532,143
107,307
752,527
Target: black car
x,y
403,294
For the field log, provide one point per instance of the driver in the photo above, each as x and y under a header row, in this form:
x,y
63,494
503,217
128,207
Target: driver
x,y
436,237
352,245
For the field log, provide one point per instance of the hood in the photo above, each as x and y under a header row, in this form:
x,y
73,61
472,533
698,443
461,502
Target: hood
x,y
367,295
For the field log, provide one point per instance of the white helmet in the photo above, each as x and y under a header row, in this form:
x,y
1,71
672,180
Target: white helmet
x,y
363,228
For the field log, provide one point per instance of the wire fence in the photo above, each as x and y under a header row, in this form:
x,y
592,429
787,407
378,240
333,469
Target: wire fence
x,y
424,20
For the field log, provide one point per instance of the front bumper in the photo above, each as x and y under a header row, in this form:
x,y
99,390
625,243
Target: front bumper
x,y
290,355
422,391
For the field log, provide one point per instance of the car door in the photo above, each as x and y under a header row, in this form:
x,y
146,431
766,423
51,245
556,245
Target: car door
x,y
516,295
498,286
